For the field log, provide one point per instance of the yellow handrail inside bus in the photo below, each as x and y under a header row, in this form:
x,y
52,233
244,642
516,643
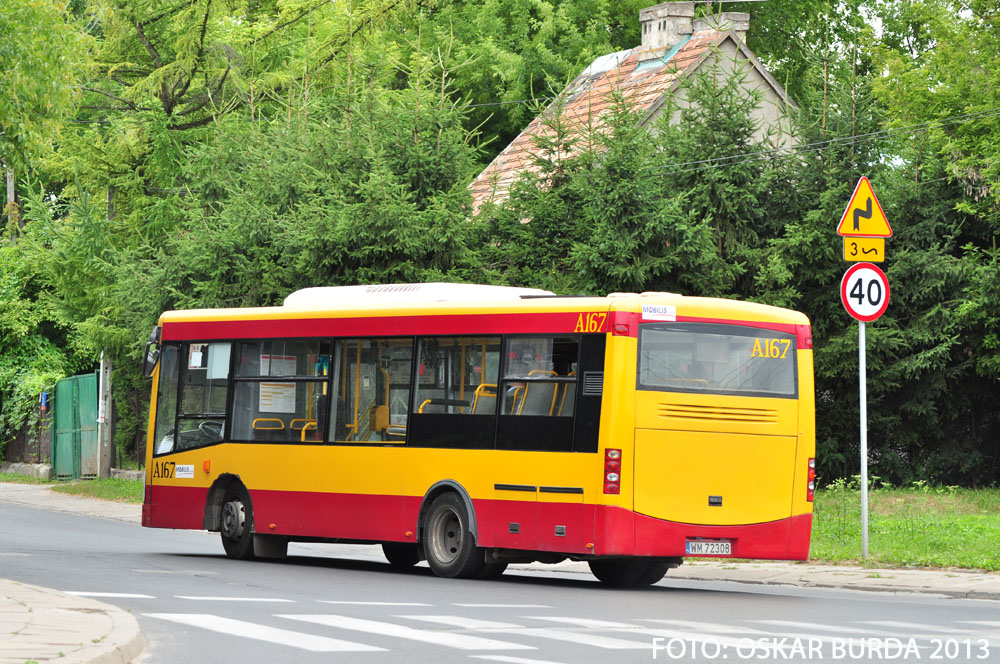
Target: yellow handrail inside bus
x,y
306,421
483,390
309,426
257,424
554,386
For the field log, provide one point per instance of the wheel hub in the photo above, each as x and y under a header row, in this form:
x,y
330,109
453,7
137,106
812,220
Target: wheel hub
x,y
234,517
447,537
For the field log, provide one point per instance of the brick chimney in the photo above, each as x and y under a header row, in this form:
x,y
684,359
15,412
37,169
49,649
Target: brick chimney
x,y
663,26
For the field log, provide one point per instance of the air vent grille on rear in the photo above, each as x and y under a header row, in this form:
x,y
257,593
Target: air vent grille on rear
x,y
716,413
593,383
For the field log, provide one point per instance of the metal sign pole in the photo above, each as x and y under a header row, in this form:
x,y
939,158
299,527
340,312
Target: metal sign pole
x,y
862,384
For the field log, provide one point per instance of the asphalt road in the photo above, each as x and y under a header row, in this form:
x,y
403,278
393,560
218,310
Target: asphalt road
x,y
335,603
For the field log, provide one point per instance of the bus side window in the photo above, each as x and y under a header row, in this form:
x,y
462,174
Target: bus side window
x,y
539,385
371,390
281,391
456,393
204,389
166,399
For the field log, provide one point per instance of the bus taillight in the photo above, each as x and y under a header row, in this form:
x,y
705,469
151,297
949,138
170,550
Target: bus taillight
x,y
612,471
811,486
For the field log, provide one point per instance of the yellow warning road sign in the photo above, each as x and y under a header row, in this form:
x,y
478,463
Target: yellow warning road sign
x,y
870,249
864,216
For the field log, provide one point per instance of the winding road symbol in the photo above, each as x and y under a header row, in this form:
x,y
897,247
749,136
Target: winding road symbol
x,y
859,215
864,216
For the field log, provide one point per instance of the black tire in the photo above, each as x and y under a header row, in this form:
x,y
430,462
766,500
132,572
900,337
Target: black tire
x,y
622,573
401,555
492,570
448,544
652,574
236,523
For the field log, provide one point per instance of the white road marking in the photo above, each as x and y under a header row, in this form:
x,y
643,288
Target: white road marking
x,y
657,636
593,640
335,601
820,627
899,624
513,660
985,623
460,641
706,626
504,606
233,599
84,593
248,630
464,623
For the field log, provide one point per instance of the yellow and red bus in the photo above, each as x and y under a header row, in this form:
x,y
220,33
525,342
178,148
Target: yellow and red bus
x,y
476,426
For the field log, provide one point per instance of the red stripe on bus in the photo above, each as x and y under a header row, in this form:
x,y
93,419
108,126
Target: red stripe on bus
x,y
385,326
612,530
180,507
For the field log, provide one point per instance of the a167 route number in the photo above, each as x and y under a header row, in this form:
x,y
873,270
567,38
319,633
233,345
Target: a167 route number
x,y
864,290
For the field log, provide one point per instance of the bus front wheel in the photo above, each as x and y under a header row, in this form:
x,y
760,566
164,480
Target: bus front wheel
x,y
401,555
619,572
236,524
448,544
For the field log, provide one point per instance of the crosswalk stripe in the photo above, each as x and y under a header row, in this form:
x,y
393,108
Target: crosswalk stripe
x,y
84,593
504,606
351,603
513,660
659,636
984,623
200,598
463,622
240,628
606,642
460,641
707,626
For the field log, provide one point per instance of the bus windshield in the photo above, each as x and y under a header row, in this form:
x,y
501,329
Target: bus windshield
x,y
717,359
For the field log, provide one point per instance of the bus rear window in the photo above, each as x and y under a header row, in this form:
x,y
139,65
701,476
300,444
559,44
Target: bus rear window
x,y
717,359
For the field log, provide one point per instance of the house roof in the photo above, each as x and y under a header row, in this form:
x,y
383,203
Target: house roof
x,y
646,84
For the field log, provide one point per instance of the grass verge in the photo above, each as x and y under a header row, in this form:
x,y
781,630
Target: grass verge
x,y
22,479
915,526
121,490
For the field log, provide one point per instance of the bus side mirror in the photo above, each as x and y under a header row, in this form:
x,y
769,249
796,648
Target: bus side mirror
x,y
152,354
151,358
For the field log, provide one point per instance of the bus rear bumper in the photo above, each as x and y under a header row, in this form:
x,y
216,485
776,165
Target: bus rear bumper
x,y
784,539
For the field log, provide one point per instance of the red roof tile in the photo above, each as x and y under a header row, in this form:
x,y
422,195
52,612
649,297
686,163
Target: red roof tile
x,y
586,100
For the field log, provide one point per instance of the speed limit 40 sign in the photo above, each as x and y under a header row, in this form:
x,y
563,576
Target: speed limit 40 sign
x,y
864,290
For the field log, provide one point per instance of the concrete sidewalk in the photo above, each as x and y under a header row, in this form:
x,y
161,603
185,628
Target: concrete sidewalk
x,y
47,625
42,625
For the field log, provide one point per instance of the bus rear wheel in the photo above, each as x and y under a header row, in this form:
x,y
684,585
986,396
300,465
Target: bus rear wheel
x,y
448,544
621,573
236,524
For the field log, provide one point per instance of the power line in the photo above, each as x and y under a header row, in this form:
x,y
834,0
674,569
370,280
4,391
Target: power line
x,y
817,146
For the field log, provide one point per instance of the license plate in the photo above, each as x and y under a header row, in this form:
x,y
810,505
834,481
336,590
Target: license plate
x,y
710,548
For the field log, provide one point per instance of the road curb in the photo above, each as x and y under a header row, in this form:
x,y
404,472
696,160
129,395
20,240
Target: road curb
x,y
47,625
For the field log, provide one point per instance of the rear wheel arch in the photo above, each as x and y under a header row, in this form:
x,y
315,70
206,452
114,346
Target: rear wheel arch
x,y
438,489
212,520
